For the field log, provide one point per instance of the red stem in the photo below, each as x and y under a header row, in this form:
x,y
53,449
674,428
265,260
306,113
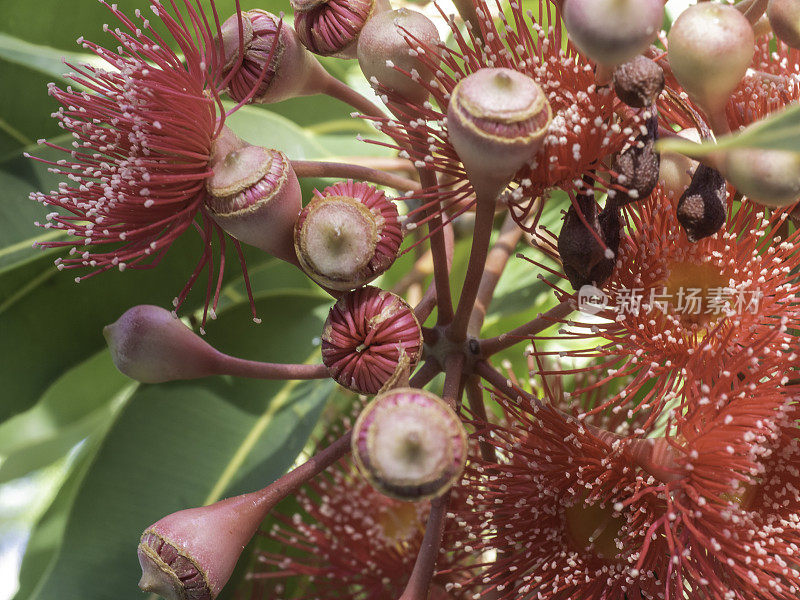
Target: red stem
x,y
239,367
312,168
341,91
484,219
420,580
503,341
441,269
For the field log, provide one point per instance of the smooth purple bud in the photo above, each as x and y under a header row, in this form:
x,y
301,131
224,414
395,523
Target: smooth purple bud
x,y
392,39
331,27
769,177
274,60
190,554
348,235
784,18
151,345
612,31
409,444
710,47
254,195
496,121
370,335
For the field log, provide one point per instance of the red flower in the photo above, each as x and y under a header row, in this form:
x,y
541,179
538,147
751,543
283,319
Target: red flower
x,y
584,130
350,541
679,315
143,134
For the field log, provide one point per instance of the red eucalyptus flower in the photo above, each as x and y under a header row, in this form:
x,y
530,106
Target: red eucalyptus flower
x,y
350,541
556,510
678,314
584,130
143,134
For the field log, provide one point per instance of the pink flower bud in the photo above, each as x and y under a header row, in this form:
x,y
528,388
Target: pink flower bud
x,y
190,554
254,195
496,121
613,31
151,345
389,42
710,47
274,61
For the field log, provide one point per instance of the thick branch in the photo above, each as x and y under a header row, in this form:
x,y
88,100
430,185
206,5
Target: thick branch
x,y
420,580
453,370
478,408
311,168
293,480
494,345
496,262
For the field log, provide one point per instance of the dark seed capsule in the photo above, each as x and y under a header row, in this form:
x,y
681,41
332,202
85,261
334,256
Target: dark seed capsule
x,y
701,208
638,166
638,82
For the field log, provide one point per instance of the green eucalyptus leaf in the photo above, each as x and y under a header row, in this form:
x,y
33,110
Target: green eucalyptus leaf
x,y
174,446
779,131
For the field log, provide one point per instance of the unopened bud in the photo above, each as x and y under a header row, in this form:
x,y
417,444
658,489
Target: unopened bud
x,y
348,235
710,47
784,18
496,121
393,36
274,62
769,177
409,444
612,31
676,170
151,345
254,195
702,207
190,554
370,335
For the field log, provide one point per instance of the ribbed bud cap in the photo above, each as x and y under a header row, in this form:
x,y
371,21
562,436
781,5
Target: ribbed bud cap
x,y
274,62
409,444
151,345
331,27
347,235
369,335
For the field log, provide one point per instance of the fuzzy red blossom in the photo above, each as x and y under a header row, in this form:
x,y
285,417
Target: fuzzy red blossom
x,y
143,133
772,83
553,515
678,313
585,129
730,521
350,541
